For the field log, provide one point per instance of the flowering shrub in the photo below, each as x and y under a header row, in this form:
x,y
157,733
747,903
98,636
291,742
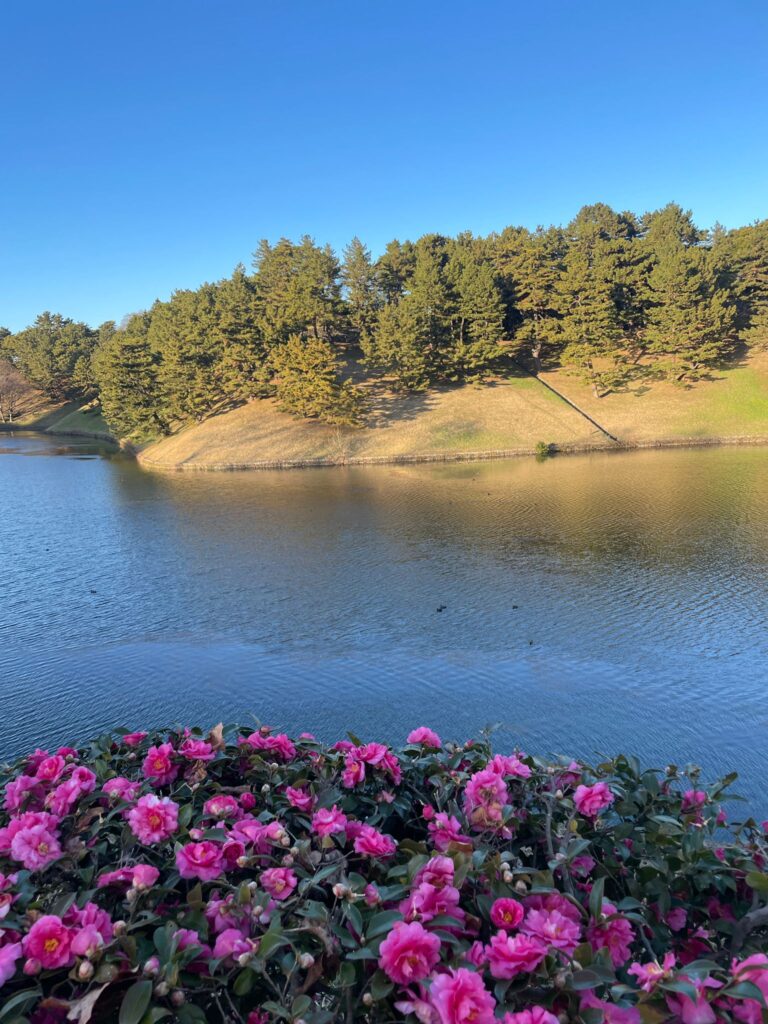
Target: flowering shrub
x,y
254,878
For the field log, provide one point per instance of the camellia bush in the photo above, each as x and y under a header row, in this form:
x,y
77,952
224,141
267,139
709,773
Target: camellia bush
x,y
250,878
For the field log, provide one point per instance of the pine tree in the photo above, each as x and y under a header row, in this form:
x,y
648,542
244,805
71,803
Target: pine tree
x,y
478,323
308,382
394,269
691,321
361,292
742,259
48,352
126,372
588,296
242,372
184,332
531,265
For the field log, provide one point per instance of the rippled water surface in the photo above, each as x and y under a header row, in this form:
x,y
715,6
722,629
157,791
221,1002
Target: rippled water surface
x,y
595,603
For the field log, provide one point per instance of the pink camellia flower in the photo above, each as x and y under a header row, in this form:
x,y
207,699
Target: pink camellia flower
x,y
328,820
510,955
426,901
372,843
476,954
133,739
9,954
507,913
693,800
426,737
300,798
221,807
158,765
279,882
485,796
615,935
87,941
66,795
119,877
461,998
23,789
49,942
649,975
354,772
438,871
676,918
35,847
590,800
200,860
694,1011
23,821
122,789
557,930
231,943
408,953
754,969
445,829
51,768
196,750
612,1014
416,1002
154,819
554,901
144,876
279,746
511,765
533,1015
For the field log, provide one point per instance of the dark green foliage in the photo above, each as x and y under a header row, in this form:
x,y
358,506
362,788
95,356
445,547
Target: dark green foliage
x,y
612,296
49,354
308,383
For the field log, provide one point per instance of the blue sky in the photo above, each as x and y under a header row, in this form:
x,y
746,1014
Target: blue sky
x,y
148,146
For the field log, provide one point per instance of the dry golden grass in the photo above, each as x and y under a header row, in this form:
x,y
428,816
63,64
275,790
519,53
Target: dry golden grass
x,y
733,403
506,416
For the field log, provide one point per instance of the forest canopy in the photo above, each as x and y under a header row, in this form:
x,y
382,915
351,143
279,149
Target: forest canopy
x,y
613,297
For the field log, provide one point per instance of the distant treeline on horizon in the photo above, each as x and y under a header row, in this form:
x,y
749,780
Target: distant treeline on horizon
x,y
613,296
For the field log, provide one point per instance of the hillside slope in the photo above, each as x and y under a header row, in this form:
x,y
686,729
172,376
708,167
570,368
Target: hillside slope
x,y
505,417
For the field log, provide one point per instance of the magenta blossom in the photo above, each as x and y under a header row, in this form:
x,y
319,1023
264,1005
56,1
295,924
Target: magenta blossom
x,y
200,860
158,765
35,847
507,913
196,750
510,955
533,1015
408,953
9,954
154,819
328,820
426,737
372,843
49,942
279,882
590,800
460,997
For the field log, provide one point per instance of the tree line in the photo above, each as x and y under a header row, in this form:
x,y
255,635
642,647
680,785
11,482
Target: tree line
x,y
612,296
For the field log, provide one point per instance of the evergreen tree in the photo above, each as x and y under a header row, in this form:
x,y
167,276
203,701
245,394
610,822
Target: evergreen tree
x,y
478,323
361,292
588,296
691,321
308,383
48,352
742,259
184,333
126,372
297,291
394,268
531,264
400,345
241,372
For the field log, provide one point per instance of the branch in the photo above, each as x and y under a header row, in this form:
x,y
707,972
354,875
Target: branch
x,y
754,919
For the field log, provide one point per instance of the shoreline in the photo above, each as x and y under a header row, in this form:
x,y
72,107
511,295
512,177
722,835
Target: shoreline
x,y
451,456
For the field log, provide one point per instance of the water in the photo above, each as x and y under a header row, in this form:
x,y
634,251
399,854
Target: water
x,y
601,603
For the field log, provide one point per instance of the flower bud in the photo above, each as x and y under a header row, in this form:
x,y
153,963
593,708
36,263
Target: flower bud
x,y
119,927
559,794
285,841
340,891
244,959
85,971
367,999
177,997
306,960
152,966
162,988
32,967
266,787
521,887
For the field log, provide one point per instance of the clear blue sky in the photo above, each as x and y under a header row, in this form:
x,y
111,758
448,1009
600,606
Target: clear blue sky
x,y
148,146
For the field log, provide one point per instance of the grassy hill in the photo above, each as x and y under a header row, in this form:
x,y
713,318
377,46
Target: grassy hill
x,y
505,417
36,411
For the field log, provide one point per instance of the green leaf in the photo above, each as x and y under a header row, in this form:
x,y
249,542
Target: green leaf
x,y
16,1004
243,982
300,1005
135,1002
381,986
596,898
382,922
757,880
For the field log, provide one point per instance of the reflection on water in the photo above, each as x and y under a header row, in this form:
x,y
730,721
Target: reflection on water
x,y
601,602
